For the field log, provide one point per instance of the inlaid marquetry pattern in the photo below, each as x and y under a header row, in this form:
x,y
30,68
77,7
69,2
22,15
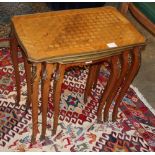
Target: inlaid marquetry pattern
x,y
73,32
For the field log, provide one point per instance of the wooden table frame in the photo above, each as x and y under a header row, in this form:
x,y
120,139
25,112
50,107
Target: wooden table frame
x,y
72,44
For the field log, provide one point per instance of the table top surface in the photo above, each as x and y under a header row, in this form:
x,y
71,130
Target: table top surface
x,y
61,35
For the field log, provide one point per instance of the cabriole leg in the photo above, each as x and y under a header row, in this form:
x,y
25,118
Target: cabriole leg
x,y
57,95
27,67
91,80
14,56
36,70
109,86
45,93
124,68
135,65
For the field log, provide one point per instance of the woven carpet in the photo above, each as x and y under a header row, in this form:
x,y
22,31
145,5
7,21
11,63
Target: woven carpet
x,y
78,130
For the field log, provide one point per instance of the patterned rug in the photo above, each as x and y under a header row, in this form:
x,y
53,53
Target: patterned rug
x,y
134,129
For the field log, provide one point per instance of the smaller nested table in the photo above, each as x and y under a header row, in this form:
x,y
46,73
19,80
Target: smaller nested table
x,y
54,41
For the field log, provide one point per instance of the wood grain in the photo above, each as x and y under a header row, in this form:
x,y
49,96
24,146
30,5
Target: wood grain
x,y
45,36
34,97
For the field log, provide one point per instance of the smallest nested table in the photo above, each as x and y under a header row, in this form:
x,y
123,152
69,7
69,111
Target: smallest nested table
x,y
54,41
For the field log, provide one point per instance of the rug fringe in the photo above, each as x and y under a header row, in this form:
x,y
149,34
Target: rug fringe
x,y
139,94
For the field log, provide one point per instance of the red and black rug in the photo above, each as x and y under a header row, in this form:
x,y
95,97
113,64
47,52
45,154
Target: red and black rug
x,y
134,129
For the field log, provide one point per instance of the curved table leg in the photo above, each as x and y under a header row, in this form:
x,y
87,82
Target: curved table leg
x,y
45,93
27,67
57,95
109,86
36,70
91,80
96,74
124,69
135,65
43,68
14,56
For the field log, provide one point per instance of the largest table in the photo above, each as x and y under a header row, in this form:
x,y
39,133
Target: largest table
x,y
62,39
